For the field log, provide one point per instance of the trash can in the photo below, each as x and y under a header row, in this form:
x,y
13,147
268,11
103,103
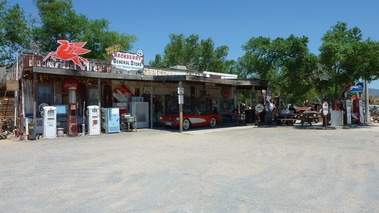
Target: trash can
x,y
31,129
250,116
60,132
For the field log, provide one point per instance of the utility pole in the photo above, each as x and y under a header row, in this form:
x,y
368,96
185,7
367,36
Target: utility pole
x,y
367,103
181,101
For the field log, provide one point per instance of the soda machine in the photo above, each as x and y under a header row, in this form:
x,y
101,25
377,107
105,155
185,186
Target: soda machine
x,y
94,127
110,119
72,120
49,122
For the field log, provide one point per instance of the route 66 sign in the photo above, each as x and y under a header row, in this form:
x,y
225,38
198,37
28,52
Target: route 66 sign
x,y
146,90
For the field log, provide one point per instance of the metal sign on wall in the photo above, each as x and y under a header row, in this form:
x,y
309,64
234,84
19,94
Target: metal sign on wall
x,y
127,63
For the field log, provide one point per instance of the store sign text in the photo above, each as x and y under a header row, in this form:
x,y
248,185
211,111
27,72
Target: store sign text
x,y
124,61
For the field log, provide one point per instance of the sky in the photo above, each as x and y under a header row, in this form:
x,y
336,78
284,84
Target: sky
x,y
227,22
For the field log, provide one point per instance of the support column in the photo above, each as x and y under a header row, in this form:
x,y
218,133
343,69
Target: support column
x,y
151,104
99,93
253,97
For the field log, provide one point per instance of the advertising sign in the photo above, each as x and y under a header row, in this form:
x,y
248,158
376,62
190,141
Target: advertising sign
x,y
112,49
70,82
70,51
122,93
259,108
127,63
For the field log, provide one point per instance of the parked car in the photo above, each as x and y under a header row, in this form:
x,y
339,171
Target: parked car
x,y
189,120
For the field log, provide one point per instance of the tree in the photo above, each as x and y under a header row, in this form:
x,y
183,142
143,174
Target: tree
x,y
60,22
345,57
98,37
15,32
194,54
286,63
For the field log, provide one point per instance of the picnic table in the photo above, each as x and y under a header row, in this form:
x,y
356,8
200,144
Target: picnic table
x,y
305,117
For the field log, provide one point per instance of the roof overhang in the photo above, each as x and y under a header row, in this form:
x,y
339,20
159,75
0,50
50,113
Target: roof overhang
x,y
239,83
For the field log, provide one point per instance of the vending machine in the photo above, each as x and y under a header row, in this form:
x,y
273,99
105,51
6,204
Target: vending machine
x,y
110,119
93,114
49,122
346,108
140,110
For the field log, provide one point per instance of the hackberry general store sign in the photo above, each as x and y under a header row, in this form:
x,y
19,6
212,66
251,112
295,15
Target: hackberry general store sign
x,y
127,63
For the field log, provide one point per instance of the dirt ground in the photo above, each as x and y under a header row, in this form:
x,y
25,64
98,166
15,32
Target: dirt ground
x,y
235,169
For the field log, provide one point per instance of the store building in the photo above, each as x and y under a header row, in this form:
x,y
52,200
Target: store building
x,y
46,82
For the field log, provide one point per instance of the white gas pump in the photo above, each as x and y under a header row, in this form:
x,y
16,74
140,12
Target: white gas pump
x,y
346,107
49,122
93,113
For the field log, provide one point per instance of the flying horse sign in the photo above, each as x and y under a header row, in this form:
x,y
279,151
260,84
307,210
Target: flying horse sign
x,y
70,51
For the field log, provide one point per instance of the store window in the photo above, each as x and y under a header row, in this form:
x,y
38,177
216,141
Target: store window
x,y
93,96
45,97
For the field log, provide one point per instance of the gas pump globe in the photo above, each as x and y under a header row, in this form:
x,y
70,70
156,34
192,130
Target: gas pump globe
x,y
72,120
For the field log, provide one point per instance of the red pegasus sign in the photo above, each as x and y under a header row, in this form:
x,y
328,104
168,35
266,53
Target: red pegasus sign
x,y
69,51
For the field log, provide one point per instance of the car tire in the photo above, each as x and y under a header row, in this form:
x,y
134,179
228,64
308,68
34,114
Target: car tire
x,y
213,122
186,124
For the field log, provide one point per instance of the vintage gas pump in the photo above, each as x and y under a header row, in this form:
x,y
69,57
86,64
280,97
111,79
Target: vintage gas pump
x,y
94,127
49,122
346,108
357,108
72,121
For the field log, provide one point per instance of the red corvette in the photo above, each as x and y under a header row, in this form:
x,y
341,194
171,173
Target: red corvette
x,y
191,120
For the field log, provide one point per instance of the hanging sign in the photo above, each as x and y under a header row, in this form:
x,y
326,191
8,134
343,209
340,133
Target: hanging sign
x,y
70,51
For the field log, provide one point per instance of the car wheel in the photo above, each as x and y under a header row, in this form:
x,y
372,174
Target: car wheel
x,y
186,124
213,122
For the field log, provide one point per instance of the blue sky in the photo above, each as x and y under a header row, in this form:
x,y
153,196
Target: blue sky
x,y
230,23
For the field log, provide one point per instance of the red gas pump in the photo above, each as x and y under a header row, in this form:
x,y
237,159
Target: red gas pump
x,y
72,120
357,109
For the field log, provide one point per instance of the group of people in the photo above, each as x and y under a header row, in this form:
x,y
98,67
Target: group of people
x,y
273,110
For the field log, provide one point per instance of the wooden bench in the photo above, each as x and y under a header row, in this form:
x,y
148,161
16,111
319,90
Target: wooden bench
x,y
288,121
308,119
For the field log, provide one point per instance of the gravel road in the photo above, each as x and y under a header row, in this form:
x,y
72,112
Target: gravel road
x,y
239,169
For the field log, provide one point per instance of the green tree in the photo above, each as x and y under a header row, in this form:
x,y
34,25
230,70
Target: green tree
x,y
98,37
58,21
345,57
15,31
194,54
286,63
